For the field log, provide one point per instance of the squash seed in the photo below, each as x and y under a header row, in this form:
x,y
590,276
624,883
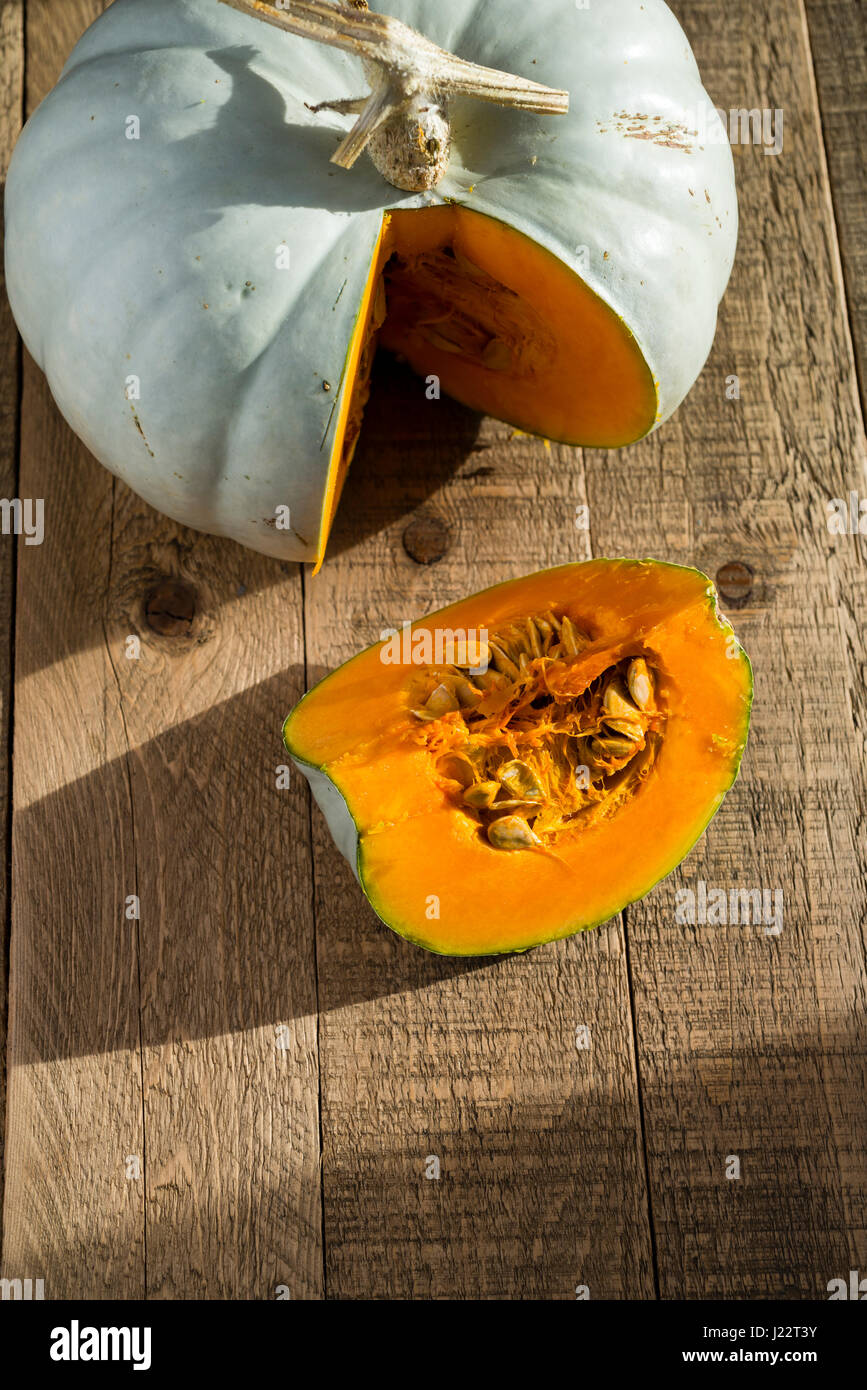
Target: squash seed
x,y
607,748
482,795
469,653
616,702
519,779
533,636
497,356
570,637
441,702
503,663
640,683
437,340
512,832
458,767
632,729
467,694
510,640
489,680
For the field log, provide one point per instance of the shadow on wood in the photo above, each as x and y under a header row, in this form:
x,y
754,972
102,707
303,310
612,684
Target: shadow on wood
x,y
409,448
513,1215
234,957
516,1212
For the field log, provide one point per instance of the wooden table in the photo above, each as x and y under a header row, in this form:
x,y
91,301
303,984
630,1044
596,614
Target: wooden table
x,y
235,1095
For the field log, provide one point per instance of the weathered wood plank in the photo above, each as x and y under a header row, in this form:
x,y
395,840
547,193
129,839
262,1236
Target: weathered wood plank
x,y
214,1053
752,1044
838,40
72,1216
748,1043
225,881
474,1063
11,110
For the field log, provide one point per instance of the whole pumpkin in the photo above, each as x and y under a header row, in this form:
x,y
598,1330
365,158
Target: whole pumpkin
x,y
204,289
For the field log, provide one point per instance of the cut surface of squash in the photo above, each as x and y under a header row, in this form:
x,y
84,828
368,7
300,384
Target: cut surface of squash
x,y
505,326
524,763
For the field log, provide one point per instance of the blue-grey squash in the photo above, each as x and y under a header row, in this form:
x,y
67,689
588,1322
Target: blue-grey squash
x,y
204,288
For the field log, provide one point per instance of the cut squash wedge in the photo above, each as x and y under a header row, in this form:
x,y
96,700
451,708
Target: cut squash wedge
x,y
522,764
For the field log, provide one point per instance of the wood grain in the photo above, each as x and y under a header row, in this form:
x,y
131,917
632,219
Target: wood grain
x,y
11,111
225,879
838,35
71,1215
197,1038
472,1063
749,1044
164,1100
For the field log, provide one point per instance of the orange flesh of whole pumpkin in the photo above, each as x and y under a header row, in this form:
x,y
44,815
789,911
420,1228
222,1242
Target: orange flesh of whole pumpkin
x,y
507,328
420,844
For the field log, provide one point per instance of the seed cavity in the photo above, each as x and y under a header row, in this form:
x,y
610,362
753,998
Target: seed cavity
x,y
531,748
442,299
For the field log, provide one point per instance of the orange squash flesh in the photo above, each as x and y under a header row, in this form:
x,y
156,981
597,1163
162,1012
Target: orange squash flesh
x,y
417,844
507,328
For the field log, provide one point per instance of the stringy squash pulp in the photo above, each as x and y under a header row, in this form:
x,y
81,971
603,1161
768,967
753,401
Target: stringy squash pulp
x,y
488,810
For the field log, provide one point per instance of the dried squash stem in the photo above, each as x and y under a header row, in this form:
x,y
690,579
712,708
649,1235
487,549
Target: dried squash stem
x,y
403,123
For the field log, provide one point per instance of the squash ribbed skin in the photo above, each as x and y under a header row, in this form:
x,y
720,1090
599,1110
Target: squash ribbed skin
x,y
144,276
406,840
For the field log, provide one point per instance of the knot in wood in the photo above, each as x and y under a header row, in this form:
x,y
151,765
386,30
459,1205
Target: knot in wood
x,y
426,539
734,581
170,608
